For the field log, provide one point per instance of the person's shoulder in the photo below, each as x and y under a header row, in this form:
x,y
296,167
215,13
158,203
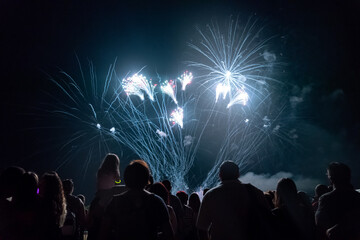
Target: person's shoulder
x,y
327,197
153,197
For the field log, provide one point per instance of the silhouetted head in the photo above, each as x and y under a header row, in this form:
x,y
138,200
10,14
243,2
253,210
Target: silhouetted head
x,y
286,192
50,186
110,166
136,175
10,179
229,171
68,186
339,173
320,190
29,185
182,196
304,198
159,189
109,172
167,184
194,202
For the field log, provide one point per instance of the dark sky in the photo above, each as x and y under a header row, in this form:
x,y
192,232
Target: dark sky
x,y
318,42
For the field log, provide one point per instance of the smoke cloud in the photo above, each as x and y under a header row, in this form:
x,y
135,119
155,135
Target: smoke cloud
x,y
267,182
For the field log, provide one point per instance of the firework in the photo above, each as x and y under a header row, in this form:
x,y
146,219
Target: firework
x,y
177,116
222,89
232,59
235,66
169,88
185,79
241,97
137,85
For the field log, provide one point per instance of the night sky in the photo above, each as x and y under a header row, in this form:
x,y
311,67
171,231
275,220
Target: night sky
x,y
316,43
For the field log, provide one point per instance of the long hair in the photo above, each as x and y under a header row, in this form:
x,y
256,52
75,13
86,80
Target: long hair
x,y
53,194
286,192
194,201
110,165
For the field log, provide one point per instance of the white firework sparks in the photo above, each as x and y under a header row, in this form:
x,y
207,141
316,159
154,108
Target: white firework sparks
x,y
177,117
185,79
241,97
169,88
137,85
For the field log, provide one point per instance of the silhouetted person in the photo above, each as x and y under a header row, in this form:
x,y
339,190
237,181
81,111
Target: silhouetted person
x,y
176,205
320,190
108,173
188,223
26,208
194,203
294,220
10,180
52,206
270,198
338,214
305,200
225,209
159,189
75,217
136,213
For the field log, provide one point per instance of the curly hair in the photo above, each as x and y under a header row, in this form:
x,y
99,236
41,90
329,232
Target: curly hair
x,y
53,194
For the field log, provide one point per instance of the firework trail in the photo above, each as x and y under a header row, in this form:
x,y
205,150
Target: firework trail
x,y
80,110
156,131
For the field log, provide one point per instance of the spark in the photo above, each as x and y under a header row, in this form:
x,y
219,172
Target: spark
x,y
222,89
177,116
233,59
112,130
137,85
169,88
241,97
98,126
185,79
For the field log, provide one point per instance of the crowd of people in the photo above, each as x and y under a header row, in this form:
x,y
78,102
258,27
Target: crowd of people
x,y
45,208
